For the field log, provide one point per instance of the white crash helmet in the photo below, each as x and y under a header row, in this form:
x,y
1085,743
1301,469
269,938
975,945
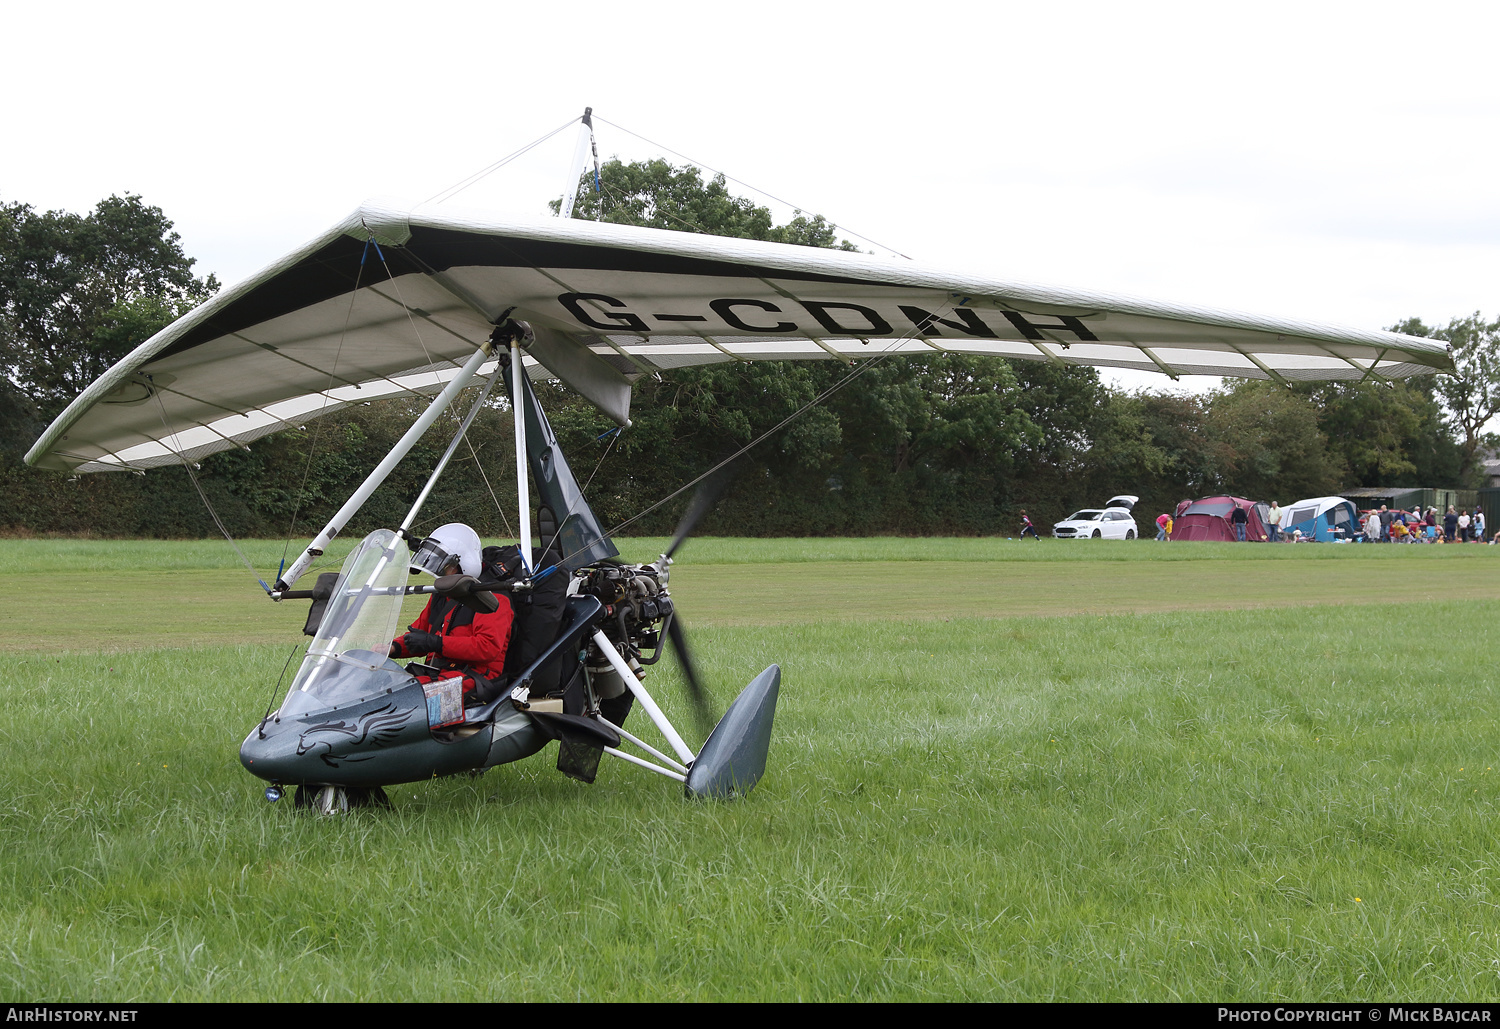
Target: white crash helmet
x,y
448,543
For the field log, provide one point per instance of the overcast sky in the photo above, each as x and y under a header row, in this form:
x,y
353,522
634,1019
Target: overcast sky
x,y
1335,162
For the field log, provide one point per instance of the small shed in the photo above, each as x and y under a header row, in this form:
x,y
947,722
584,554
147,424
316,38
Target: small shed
x,y
1407,497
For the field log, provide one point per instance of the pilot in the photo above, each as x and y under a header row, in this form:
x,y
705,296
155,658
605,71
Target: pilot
x,y
448,637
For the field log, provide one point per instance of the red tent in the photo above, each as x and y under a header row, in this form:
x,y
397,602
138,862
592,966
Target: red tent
x,y
1209,519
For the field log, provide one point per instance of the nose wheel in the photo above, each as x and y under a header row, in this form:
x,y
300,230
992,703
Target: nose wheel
x,y
338,800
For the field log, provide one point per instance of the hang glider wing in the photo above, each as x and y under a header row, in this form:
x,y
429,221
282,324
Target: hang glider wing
x,y
391,301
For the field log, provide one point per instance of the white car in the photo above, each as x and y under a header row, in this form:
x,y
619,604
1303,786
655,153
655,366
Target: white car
x,y
1111,522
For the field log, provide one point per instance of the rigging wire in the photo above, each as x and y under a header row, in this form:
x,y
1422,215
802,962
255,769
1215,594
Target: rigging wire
x,y
617,432
458,187
493,499
857,371
466,504
622,196
448,512
277,688
405,307
332,374
203,496
796,207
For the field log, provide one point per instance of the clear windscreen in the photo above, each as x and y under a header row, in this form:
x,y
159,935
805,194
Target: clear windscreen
x,y
347,661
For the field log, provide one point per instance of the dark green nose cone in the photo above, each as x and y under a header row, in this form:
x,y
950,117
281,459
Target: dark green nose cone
x,y
734,758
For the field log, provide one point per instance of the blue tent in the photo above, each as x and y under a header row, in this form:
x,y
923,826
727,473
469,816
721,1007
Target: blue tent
x,y
1322,518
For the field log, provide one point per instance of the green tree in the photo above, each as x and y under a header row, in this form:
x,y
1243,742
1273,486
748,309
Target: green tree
x,y
78,292
1272,444
1156,445
1472,393
1386,434
658,195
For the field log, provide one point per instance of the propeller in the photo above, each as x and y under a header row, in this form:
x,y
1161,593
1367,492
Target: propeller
x,y
697,695
707,495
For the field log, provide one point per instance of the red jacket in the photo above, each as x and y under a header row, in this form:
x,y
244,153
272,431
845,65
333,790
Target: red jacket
x,y
471,639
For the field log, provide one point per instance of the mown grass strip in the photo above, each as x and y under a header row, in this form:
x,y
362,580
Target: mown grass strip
x,y
123,610
46,556
1277,804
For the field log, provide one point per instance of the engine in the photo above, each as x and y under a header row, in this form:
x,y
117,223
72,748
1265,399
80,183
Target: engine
x,y
638,609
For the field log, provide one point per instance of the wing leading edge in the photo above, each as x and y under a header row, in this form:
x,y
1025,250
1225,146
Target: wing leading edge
x,y
392,301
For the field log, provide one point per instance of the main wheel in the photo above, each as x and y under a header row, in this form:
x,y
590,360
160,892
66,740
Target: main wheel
x,y
1130,534
325,800
1097,535
369,796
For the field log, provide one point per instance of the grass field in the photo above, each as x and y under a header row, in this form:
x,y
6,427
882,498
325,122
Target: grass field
x,y
1000,771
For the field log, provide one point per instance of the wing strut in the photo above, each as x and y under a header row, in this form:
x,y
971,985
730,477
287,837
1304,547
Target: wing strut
x,y
1277,376
522,490
384,468
1166,369
442,464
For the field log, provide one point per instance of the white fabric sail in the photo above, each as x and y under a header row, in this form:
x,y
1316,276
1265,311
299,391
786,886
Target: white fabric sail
x,y
394,299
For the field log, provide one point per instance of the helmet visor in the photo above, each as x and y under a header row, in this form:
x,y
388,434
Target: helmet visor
x,y
430,557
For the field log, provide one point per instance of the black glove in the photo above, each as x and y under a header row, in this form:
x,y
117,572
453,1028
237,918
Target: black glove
x,y
419,643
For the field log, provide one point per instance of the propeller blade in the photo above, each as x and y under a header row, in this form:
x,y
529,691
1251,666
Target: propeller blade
x,y
706,496
697,695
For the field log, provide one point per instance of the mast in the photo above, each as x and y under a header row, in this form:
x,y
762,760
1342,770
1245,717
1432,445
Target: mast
x,y
580,152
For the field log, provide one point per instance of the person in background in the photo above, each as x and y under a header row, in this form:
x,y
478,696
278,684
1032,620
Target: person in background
x,y
1450,525
1463,526
1026,527
1478,525
1273,523
1240,519
1372,527
1163,524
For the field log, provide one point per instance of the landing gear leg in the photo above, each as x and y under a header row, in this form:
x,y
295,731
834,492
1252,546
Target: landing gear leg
x,y
615,709
325,800
337,800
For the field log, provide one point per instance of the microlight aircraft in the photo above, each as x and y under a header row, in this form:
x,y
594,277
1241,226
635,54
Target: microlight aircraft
x,y
399,299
